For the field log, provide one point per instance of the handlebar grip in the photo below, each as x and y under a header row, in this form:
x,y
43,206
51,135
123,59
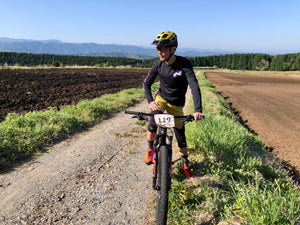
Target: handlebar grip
x,y
131,112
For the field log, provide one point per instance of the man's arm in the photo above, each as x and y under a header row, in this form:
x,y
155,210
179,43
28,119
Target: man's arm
x,y
148,81
193,83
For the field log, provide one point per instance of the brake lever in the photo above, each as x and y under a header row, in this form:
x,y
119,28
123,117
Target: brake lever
x,y
189,118
142,117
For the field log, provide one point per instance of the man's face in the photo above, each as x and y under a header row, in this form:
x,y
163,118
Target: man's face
x,y
164,52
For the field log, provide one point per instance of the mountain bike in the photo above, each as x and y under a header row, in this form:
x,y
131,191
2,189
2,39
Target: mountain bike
x,y
162,160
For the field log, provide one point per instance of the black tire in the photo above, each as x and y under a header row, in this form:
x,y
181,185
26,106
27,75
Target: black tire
x,y
164,182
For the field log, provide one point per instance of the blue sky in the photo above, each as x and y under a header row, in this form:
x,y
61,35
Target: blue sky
x,y
249,26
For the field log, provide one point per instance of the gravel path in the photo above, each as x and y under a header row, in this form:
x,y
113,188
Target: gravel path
x,y
96,177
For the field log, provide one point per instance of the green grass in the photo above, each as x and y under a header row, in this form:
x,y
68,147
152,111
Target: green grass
x,y
236,180
25,135
22,136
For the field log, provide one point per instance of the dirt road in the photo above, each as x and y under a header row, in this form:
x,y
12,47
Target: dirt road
x,y
97,177
270,105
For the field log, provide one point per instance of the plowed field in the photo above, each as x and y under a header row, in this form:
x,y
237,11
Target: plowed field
x,y
270,106
37,89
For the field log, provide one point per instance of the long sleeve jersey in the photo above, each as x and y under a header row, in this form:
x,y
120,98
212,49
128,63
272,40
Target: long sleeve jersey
x,y
174,81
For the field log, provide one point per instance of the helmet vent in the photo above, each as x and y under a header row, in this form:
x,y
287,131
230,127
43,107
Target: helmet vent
x,y
168,38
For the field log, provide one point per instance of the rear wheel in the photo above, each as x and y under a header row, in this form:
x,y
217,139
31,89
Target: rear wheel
x,y
164,183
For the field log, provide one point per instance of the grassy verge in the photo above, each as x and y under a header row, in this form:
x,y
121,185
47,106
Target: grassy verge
x,y
236,181
263,73
24,135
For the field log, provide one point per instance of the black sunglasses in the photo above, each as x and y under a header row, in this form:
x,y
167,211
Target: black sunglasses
x,y
162,48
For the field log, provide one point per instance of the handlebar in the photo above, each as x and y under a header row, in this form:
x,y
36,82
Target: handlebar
x,y
143,116
139,115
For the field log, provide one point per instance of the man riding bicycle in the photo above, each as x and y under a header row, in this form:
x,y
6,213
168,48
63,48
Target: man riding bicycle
x,y
175,74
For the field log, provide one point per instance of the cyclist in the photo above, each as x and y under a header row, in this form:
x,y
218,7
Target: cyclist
x,y
175,73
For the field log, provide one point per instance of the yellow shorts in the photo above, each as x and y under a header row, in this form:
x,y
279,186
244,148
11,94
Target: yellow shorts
x,y
171,109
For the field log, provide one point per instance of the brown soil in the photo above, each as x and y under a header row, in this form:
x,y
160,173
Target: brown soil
x,y
36,89
269,106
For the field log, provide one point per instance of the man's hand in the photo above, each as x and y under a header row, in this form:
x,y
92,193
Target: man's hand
x,y
198,116
153,106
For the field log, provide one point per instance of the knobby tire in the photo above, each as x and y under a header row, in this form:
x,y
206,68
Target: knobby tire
x,y
164,182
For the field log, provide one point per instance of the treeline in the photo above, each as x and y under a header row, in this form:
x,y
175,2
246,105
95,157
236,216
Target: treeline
x,y
287,62
28,59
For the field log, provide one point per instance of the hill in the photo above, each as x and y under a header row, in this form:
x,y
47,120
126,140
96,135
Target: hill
x,y
58,47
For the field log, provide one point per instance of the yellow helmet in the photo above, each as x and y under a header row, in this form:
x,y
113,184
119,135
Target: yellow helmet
x,y
168,38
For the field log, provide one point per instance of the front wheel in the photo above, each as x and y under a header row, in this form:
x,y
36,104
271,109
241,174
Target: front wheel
x,y
164,183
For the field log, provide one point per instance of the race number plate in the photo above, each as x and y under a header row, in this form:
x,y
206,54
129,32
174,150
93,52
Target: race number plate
x,y
164,120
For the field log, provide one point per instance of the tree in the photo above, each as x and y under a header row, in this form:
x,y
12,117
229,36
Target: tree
x,y
56,64
263,65
297,62
277,63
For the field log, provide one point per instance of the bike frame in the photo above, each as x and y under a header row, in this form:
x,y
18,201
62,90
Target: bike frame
x,y
162,167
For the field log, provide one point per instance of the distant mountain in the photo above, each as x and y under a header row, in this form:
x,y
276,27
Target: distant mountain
x,y
58,47
12,40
